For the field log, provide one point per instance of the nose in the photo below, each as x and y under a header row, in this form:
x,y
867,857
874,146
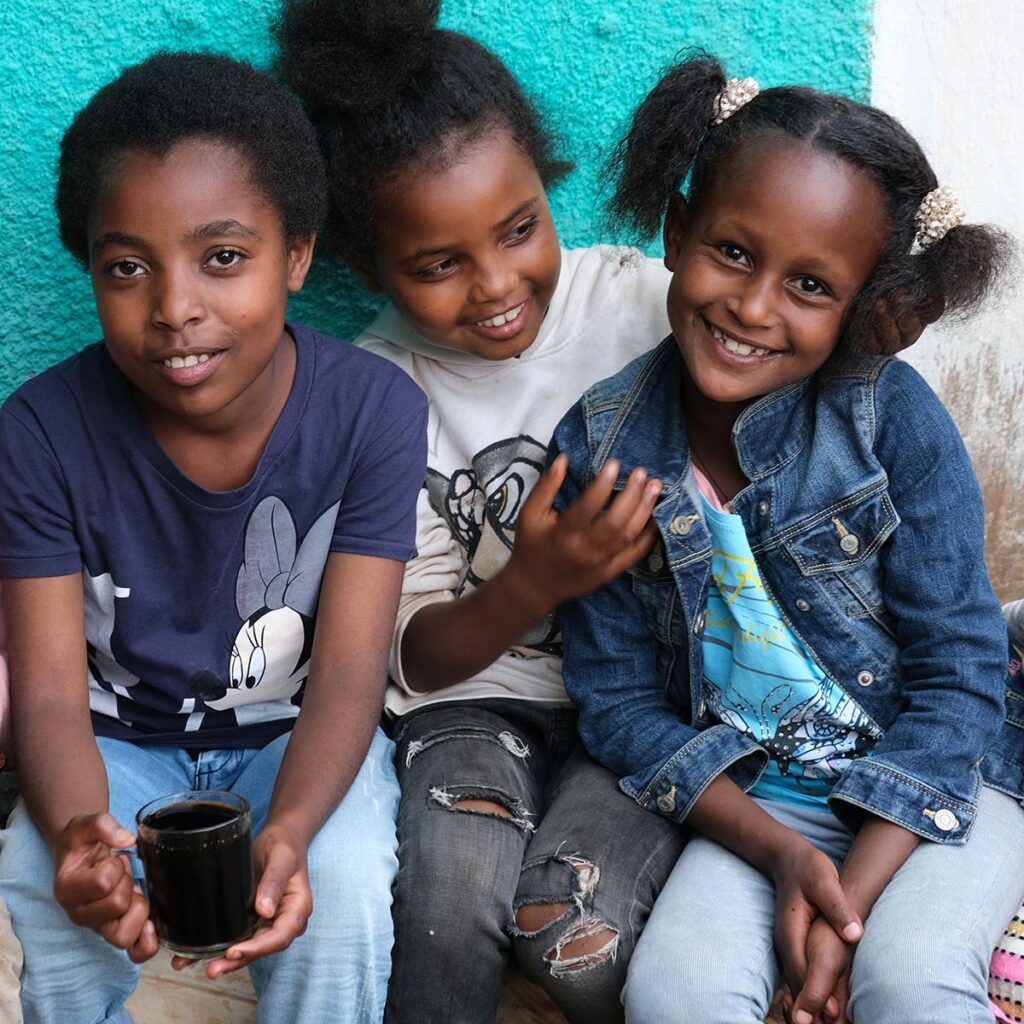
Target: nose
x,y
177,300
753,304
495,278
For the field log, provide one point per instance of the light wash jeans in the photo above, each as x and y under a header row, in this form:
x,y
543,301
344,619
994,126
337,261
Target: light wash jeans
x,y
707,953
337,971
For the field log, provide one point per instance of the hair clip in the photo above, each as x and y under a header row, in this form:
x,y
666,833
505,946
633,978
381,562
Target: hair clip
x,y
939,211
738,92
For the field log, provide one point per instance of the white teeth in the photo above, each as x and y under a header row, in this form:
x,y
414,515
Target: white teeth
x,y
738,347
502,318
179,362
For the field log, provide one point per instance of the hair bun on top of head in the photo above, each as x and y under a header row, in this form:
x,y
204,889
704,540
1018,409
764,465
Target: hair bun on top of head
x,y
350,56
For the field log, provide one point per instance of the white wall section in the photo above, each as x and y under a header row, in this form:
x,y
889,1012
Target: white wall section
x,y
953,72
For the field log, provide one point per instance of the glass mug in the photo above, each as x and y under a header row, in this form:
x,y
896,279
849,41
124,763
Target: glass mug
x,y
195,849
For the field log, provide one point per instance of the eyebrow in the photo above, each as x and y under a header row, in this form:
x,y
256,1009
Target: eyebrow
x,y
438,250
214,229
218,228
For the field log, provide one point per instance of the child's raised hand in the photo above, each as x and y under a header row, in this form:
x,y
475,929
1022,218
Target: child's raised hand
x,y
95,887
563,556
807,887
283,899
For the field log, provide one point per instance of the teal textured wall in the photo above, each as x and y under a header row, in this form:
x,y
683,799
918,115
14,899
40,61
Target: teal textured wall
x,y
588,62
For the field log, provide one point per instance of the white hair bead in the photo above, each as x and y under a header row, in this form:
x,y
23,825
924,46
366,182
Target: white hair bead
x,y
939,211
738,92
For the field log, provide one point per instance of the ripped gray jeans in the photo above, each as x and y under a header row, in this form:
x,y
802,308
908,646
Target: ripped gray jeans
x,y
512,838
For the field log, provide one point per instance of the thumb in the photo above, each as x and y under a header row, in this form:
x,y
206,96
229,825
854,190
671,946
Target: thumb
x,y
278,867
836,908
104,828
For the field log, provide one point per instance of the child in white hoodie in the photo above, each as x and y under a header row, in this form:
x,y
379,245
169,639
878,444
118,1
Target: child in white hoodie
x,y
509,835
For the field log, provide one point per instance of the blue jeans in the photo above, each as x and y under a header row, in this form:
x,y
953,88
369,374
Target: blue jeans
x,y
336,971
707,953
569,836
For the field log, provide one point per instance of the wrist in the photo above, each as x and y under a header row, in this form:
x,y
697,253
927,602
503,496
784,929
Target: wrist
x,y
285,828
521,593
783,849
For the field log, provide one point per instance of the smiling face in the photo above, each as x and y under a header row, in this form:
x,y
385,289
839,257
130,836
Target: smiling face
x,y
469,254
191,274
765,265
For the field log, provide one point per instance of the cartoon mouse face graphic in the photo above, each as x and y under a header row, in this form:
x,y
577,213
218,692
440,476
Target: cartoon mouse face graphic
x,y
276,596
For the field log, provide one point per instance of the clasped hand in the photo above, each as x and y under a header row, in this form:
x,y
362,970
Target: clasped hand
x,y
815,931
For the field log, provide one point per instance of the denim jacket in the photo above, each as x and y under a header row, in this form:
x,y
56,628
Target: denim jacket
x,y
866,520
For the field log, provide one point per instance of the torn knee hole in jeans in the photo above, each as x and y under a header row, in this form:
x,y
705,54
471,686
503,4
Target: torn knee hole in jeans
x,y
586,941
581,946
516,746
485,803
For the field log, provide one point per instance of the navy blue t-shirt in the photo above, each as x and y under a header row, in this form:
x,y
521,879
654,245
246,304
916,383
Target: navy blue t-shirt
x,y
200,605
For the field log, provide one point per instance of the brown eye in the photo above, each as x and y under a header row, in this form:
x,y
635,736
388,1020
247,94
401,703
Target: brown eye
x,y
226,258
125,269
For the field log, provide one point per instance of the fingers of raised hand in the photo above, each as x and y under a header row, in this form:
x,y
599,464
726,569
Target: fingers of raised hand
x,y
582,512
546,488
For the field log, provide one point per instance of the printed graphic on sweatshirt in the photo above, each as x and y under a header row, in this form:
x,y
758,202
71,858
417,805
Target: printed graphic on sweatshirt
x,y
265,662
762,680
481,505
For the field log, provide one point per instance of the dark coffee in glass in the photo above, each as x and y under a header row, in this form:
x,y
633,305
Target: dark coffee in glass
x,y
195,848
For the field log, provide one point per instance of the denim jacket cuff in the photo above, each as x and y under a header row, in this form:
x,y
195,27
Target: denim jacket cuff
x,y
882,790
691,769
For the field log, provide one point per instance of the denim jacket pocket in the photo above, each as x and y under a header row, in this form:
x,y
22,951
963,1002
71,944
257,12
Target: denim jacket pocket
x,y
654,587
839,549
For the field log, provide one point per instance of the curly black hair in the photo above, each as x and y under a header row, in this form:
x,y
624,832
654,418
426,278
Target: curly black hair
x,y
672,135
388,90
171,97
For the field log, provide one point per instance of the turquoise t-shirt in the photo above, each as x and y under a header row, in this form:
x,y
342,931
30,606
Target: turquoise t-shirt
x,y
762,680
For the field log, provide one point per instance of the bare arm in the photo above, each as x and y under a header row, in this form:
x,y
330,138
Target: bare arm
x,y
344,694
46,626
555,558
340,710
67,795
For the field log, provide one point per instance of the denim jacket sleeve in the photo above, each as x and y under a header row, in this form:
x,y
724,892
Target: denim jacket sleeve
x,y
924,772
616,672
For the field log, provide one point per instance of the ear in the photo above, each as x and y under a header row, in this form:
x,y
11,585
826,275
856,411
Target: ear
x,y
300,256
677,218
365,274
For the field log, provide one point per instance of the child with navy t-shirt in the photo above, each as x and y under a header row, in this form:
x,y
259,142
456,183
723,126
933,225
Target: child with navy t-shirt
x,y
203,525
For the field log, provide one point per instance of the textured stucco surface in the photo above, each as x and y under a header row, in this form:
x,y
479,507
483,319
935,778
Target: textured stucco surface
x,y
587,61
941,67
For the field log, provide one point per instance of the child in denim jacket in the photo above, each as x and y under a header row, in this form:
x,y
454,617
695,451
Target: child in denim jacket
x,y
810,667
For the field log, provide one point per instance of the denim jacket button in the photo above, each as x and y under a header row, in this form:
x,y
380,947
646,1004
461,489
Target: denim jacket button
x,y
802,605
681,525
850,544
667,801
698,623
655,561
865,678
762,508
946,820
